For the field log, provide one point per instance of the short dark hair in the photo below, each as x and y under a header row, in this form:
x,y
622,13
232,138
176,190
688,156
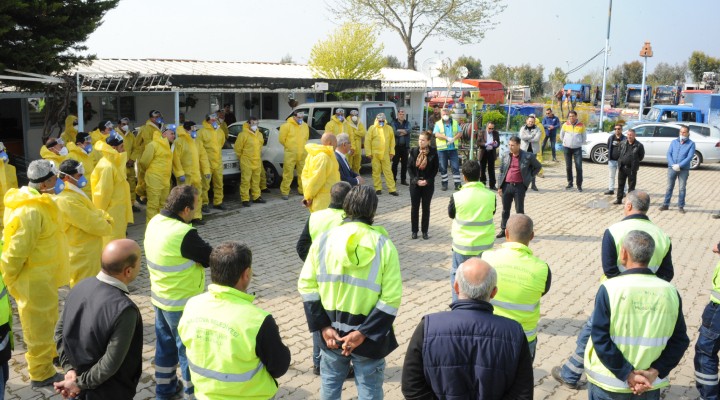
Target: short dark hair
x,y
188,125
361,204
471,170
81,137
69,167
118,266
515,138
338,193
228,262
572,112
548,109
180,197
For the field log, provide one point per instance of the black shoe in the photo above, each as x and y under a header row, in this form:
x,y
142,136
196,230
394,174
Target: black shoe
x,y
533,187
569,186
716,216
205,209
378,192
458,186
219,207
246,204
142,200
663,208
266,190
394,194
556,373
351,373
608,192
135,208
493,188
579,189
259,200
316,370
555,159
56,362
404,183
425,236
444,186
682,210
47,382
414,235
286,197
197,221
500,234
618,201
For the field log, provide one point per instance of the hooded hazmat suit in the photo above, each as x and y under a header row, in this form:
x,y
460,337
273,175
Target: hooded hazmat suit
x,y
97,136
321,172
144,136
334,126
357,134
129,146
33,266
248,148
110,190
189,166
84,227
380,144
70,132
156,163
88,162
8,180
213,141
293,137
48,154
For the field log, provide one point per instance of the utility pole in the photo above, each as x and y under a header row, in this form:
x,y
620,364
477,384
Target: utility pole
x,y
604,82
644,53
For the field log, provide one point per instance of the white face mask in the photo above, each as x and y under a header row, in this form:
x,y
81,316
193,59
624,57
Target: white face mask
x,y
683,138
221,120
253,128
63,151
125,128
445,117
353,118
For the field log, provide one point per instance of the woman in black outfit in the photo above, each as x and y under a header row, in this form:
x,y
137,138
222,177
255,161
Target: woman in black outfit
x,y
422,166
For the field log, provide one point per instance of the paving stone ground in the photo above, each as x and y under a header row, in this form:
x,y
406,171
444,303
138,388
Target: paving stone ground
x,y
568,231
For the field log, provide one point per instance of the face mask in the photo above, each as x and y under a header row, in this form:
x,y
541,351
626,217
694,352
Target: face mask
x,y
221,120
63,151
341,118
59,186
193,134
253,128
81,183
353,118
381,123
125,128
4,156
299,121
215,125
682,138
159,120
88,148
75,123
445,117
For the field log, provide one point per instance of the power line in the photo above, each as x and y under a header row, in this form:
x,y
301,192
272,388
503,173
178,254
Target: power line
x,y
581,66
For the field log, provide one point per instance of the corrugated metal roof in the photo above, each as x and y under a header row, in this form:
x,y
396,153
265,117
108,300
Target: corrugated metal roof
x,y
392,78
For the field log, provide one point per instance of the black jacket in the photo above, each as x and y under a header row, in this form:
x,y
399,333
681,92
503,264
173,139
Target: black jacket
x,y
431,169
529,167
631,154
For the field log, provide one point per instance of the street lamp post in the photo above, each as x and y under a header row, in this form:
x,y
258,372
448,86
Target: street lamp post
x,y
607,46
644,53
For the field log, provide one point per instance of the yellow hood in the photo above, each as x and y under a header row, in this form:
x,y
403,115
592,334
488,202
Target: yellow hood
x,y
48,154
117,159
292,121
16,198
159,139
359,249
69,124
314,149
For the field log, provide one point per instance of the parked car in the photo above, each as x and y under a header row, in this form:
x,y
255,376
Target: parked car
x,y
706,130
272,152
319,114
656,138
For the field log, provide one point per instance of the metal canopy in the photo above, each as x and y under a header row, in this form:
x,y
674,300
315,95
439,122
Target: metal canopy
x,y
123,82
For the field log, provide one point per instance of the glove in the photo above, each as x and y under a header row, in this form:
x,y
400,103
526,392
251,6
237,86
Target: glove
x,y
182,179
208,176
676,167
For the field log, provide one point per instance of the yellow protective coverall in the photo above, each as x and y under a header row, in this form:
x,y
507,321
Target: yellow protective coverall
x,y
156,163
293,137
34,265
70,132
224,128
357,134
321,172
144,136
84,227
189,166
380,144
248,148
87,160
8,180
213,141
334,126
97,136
110,190
129,146
47,154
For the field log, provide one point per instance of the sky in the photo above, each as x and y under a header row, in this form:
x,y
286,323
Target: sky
x,y
554,33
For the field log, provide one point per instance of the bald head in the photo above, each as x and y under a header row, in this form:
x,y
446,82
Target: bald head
x,y
119,255
520,229
329,139
476,279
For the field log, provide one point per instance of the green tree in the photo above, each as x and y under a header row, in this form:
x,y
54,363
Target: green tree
x,y
393,62
287,59
463,21
624,74
529,76
667,74
503,73
473,65
334,59
557,79
700,62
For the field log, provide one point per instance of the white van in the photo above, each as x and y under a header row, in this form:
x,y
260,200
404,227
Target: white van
x,y
319,114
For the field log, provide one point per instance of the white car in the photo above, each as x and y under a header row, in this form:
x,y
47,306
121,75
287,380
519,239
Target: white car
x,y
272,153
656,138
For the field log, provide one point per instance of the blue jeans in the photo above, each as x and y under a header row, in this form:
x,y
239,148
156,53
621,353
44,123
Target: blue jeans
x,y
570,156
613,167
706,353
169,350
317,338
457,259
550,137
597,393
575,365
4,375
682,177
452,156
533,347
369,375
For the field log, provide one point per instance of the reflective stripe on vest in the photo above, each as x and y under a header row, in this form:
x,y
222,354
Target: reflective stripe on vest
x,y
368,283
517,307
168,302
662,241
640,341
715,296
473,223
472,229
175,268
323,220
441,144
3,292
617,383
222,376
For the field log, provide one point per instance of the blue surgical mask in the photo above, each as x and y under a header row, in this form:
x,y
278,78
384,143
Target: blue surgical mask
x,y
381,123
59,186
113,133
341,118
159,120
299,121
193,134
215,125
82,182
4,156
88,148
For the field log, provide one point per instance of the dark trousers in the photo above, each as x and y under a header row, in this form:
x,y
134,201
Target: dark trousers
x,y
576,156
401,156
512,192
552,143
418,195
625,172
487,161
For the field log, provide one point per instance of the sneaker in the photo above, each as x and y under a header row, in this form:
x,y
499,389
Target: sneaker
x,y
444,186
557,374
609,192
425,236
47,382
569,186
246,204
617,202
579,189
500,234
663,208
394,194
259,200
716,216
458,186
285,197
555,160
493,188
205,209
378,192
402,183
219,207
533,187
682,210
316,370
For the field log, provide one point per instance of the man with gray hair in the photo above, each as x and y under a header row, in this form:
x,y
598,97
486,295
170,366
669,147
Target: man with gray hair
x,y
34,265
468,352
635,350
341,152
637,204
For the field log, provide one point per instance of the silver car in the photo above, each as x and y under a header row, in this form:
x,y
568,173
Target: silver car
x,y
656,138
